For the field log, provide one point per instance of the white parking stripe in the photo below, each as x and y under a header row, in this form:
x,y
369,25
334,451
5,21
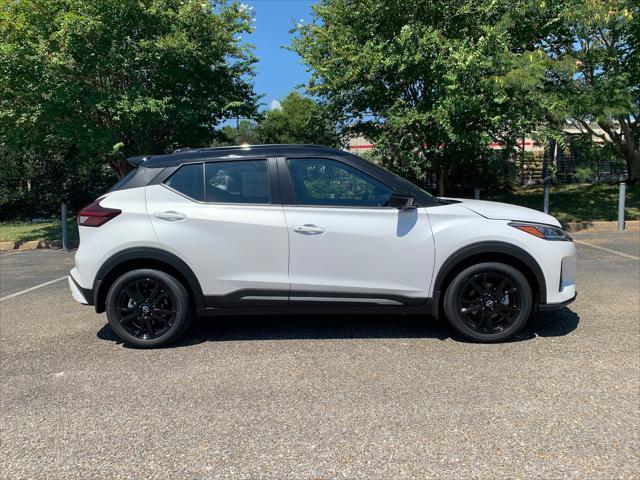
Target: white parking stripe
x,y
33,288
615,252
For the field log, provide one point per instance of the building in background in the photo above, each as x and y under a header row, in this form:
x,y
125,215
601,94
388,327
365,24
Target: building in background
x,y
579,159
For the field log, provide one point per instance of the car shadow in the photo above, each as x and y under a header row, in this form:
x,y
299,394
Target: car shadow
x,y
323,327
554,323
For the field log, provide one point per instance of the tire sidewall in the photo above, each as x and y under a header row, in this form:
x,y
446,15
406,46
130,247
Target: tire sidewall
x,y
450,303
178,292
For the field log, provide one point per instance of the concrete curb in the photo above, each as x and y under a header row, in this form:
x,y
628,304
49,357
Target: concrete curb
x,y
7,246
30,245
601,226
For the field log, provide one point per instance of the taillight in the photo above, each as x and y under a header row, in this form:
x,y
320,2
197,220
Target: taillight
x,y
94,215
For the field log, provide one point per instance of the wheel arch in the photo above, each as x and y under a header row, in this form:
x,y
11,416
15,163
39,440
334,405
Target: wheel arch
x,y
144,257
492,252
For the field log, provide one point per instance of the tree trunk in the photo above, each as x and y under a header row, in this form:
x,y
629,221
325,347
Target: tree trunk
x,y
633,166
440,180
120,167
626,140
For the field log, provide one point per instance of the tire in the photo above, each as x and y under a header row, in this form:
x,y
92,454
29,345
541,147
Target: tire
x,y
148,308
488,302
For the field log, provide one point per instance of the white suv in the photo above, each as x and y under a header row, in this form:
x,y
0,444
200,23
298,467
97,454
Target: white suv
x,y
295,228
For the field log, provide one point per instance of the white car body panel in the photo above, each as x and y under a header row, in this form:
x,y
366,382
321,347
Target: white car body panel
x,y
505,211
381,251
362,250
132,228
229,247
454,229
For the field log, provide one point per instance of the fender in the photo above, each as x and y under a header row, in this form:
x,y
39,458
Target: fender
x,y
494,247
147,253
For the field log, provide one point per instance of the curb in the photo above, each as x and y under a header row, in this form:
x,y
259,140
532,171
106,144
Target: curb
x,y
7,246
601,226
31,245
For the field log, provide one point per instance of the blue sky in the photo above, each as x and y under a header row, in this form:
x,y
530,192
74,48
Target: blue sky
x,y
278,70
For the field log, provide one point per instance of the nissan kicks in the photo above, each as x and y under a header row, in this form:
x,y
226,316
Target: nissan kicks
x,y
275,229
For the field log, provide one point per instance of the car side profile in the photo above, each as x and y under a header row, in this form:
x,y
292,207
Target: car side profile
x,y
275,229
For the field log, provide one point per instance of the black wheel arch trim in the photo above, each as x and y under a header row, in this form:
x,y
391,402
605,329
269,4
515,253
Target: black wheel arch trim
x,y
491,247
141,254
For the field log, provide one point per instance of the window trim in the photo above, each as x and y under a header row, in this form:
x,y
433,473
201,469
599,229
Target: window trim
x,y
274,188
283,164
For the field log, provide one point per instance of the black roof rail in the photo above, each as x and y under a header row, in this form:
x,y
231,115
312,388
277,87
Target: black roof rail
x,y
236,151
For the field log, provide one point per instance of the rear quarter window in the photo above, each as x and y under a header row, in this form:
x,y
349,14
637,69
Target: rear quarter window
x,y
120,184
189,181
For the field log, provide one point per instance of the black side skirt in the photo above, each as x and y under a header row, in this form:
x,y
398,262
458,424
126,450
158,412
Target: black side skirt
x,y
278,302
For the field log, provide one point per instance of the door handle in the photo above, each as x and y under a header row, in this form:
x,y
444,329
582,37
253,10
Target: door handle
x,y
170,216
308,229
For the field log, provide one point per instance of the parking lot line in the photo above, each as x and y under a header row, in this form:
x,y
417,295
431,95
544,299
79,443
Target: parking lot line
x,y
615,252
33,288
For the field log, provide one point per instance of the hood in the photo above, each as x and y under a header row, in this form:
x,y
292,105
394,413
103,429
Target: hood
x,y
505,211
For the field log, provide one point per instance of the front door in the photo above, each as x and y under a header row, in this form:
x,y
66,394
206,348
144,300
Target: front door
x,y
346,245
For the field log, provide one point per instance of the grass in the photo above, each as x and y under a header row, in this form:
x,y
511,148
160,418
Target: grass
x,y
51,230
577,203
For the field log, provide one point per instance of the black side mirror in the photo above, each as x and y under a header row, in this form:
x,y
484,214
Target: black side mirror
x,y
401,201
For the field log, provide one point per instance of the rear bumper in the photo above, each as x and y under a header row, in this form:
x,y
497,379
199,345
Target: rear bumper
x,y
555,306
81,295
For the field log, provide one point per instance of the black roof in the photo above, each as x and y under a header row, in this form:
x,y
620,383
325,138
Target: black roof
x,y
236,152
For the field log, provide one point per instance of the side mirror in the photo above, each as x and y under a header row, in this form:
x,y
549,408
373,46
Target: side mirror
x,y
401,201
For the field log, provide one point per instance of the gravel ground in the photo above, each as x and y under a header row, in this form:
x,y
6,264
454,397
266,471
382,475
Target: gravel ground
x,y
324,398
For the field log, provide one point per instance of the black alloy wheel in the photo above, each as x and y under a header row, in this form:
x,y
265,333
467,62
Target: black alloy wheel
x,y
147,308
488,302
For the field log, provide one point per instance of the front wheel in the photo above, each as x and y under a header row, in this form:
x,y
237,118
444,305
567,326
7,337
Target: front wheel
x,y
488,302
148,308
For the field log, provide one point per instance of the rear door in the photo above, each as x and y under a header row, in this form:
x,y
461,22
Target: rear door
x,y
346,245
225,220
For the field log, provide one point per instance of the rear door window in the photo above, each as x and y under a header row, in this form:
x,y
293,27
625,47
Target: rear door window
x,y
245,181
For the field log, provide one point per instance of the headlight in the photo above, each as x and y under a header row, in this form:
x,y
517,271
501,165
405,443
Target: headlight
x,y
547,232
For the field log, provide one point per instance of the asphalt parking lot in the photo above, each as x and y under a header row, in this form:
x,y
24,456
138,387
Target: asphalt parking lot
x,y
323,397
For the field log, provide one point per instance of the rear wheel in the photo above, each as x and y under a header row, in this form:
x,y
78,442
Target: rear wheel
x,y
488,302
148,308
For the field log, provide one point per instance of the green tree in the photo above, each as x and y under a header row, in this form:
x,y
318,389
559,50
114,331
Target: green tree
x,y
432,83
104,80
299,120
244,131
601,40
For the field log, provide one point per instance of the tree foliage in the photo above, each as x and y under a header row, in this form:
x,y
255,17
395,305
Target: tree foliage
x,y
299,119
433,83
600,39
94,82
428,81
